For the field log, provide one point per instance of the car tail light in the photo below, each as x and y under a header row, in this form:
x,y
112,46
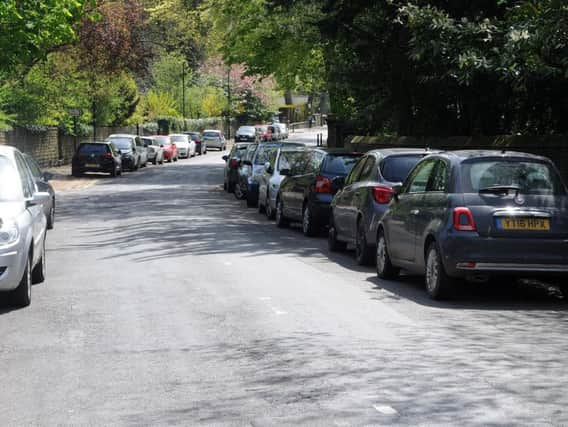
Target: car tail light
x,y
463,220
382,194
323,184
107,156
234,163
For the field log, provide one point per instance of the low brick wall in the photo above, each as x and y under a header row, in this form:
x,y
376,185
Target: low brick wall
x,y
553,147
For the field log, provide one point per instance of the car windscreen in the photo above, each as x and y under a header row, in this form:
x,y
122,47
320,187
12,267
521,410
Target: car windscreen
x,y
122,143
9,190
530,177
179,138
339,164
247,130
210,135
163,140
397,168
96,149
263,154
194,136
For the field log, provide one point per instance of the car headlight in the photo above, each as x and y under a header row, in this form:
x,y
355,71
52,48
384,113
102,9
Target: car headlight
x,y
9,232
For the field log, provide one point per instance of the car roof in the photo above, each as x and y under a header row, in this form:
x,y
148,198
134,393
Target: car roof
x,y
397,151
8,151
473,154
177,134
96,142
122,135
212,130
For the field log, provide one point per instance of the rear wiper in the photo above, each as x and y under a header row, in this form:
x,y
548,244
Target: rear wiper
x,y
500,189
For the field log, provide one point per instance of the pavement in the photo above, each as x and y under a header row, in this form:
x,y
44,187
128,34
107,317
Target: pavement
x,y
168,302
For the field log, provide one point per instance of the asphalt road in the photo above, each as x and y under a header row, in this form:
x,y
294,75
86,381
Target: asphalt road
x,y
168,302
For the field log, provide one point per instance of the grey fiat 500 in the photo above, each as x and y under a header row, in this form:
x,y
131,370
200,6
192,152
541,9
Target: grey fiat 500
x,y
476,213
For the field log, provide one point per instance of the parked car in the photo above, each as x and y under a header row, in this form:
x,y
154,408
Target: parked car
x,y
244,172
200,145
155,151
23,228
251,169
97,157
264,132
275,132
246,134
364,197
307,190
283,129
214,139
269,181
169,147
185,145
134,154
42,182
232,162
476,214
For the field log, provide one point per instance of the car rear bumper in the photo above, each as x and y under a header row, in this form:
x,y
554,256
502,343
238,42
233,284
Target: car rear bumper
x,y
465,255
183,152
106,168
12,266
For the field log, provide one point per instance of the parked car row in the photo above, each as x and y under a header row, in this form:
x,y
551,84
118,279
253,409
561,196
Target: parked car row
x,y
447,216
262,133
123,152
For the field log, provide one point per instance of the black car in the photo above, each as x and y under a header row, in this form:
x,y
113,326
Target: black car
x,y
97,157
42,181
200,144
232,162
246,134
307,190
364,197
476,214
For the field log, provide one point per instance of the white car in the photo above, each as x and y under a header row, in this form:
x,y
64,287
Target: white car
x,y
23,226
283,130
185,145
214,139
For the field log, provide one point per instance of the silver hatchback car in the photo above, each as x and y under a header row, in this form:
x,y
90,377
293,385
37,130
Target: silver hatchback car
x,y
23,226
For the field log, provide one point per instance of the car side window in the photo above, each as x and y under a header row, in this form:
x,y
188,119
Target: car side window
x,y
272,159
354,174
439,179
34,168
28,186
420,177
368,169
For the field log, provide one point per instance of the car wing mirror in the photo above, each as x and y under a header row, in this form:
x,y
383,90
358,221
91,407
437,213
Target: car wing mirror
x,y
267,167
225,157
396,190
119,151
337,184
39,198
47,176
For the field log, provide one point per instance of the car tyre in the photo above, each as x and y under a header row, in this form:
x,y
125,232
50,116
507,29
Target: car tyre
x,y
238,191
309,227
281,220
333,244
22,295
385,269
270,214
261,206
438,283
363,252
51,216
39,271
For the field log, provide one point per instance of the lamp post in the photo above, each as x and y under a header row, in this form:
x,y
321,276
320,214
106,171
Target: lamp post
x,y
183,93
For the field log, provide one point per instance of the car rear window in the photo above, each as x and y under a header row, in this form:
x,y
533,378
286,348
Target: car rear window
x,y
397,168
163,140
246,129
96,149
532,177
211,134
179,138
339,164
122,143
263,154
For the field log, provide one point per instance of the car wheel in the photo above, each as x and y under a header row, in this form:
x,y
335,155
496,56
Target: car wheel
x,y
363,254
51,216
239,195
38,272
309,227
75,173
385,269
261,206
438,284
268,209
333,244
281,220
22,295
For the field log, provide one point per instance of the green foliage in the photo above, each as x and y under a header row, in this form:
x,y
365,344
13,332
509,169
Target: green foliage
x,y
156,104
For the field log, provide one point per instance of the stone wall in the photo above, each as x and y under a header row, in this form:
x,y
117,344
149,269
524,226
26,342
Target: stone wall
x,y
42,145
554,147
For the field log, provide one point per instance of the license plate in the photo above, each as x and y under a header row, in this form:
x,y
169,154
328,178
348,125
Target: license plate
x,y
91,165
529,224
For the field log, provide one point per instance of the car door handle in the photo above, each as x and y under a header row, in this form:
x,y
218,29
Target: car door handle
x,y
414,212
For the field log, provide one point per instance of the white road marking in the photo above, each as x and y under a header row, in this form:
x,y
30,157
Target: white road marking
x,y
385,409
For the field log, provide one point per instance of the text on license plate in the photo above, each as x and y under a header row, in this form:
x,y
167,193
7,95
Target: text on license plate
x,y
92,165
531,224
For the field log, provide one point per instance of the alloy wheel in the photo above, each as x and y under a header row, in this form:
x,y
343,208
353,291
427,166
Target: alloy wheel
x,y
381,255
432,271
